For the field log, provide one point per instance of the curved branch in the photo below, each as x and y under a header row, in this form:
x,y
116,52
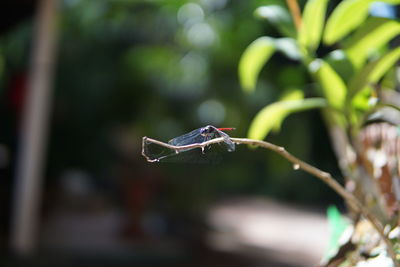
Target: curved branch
x,y
298,164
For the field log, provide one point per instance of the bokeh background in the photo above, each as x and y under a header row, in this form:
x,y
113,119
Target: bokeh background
x,y
127,69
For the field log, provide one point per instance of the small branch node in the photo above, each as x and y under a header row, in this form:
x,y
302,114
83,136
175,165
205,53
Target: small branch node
x,y
326,175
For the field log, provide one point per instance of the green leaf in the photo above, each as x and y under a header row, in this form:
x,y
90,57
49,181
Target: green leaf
x,y
340,62
384,64
253,59
362,99
313,22
373,71
275,113
288,46
331,84
290,94
337,225
375,33
279,17
347,16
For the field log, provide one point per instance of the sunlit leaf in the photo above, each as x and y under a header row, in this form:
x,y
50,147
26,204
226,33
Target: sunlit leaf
x,y
288,46
279,17
375,33
275,113
253,59
384,64
340,62
347,16
290,94
312,24
332,85
374,71
362,99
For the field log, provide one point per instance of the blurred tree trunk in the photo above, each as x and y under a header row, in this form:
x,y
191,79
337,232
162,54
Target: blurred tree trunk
x,y
33,131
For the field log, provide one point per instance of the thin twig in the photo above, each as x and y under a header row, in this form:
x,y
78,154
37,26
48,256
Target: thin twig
x,y
295,11
298,164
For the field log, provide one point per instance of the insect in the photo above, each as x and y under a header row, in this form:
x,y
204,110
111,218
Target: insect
x,y
154,152
204,134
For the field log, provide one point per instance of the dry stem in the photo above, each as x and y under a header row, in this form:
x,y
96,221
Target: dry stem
x,y
299,164
295,11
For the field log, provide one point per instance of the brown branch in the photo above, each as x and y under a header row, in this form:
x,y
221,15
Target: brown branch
x,y
298,164
177,148
295,11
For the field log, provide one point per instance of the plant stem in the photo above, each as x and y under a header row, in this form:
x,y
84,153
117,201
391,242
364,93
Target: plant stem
x,y
299,164
331,182
295,11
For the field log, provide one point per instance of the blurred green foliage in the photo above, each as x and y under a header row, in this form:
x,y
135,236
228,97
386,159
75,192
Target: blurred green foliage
x,y
163,68
346,77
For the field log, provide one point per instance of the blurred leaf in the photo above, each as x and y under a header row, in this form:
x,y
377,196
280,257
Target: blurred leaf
x,y
375,33
288,46
392,2
253,59
361,100
384,64
293,76
291,94
279,17
313,23
337,225
340,62
373,71
331,84
275,113
389,79
347,16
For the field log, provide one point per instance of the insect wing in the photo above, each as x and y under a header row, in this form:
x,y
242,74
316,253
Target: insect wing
x,y
192,137
227,141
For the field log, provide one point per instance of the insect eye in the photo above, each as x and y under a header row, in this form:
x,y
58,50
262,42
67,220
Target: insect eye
x,y
208,129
